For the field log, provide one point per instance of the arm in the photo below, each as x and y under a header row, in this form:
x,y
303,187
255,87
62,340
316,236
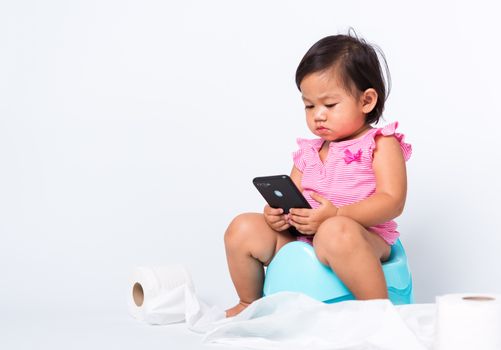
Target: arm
x,y
391,186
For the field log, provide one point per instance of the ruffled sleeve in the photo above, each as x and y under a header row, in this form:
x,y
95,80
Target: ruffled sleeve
x,y
390,130
304,153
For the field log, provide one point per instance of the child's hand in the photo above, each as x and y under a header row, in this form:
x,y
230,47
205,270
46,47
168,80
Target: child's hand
x,y
276,218
307,221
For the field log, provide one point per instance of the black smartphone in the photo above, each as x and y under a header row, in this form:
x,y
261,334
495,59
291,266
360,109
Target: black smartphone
x,y
281,192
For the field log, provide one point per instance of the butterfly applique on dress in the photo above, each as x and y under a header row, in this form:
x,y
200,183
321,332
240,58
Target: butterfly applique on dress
x,y
350,157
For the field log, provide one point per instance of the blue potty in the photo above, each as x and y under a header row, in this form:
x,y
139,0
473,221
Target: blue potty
x,y
296,268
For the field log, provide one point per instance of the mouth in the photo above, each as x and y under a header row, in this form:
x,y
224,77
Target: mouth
x,y
321,129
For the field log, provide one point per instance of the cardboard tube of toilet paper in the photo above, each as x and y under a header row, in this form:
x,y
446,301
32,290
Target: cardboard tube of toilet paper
x,y
157,294
468,321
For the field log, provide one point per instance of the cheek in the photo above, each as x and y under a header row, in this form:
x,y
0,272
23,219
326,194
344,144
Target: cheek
x,y
310,121
343,112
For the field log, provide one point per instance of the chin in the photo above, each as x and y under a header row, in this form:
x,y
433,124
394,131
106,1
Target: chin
x,y
329,137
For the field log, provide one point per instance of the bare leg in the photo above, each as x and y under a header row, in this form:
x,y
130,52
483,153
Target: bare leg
x,y
355,254
250,244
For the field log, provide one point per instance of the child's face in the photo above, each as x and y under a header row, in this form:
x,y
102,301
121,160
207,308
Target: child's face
x,y
332,113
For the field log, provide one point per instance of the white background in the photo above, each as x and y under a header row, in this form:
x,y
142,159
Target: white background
x,y
130,132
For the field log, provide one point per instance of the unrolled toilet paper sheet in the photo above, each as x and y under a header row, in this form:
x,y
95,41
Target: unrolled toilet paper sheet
x,y
294,321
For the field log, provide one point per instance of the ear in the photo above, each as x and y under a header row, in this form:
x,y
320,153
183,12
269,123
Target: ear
x,y
368,100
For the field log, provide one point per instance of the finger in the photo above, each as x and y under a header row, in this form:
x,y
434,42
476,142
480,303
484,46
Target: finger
x,y
302,228
273,211
299,219
283,227
297,225
275,219
300,212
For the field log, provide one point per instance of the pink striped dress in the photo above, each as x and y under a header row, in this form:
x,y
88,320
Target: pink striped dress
x,y
346,176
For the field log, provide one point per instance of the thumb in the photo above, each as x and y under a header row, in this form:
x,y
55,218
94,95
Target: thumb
x,y
318,198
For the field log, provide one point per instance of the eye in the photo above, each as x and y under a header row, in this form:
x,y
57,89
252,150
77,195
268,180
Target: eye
x,y
331,105
308,106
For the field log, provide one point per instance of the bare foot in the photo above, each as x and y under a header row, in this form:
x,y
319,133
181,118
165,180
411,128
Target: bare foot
x,y
235,310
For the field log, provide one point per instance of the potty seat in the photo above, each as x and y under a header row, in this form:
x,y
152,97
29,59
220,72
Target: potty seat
x,y
296,268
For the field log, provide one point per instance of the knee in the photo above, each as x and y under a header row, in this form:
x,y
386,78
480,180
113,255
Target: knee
x,y
336,237
238,230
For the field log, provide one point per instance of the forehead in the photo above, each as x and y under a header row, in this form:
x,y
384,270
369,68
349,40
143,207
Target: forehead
x,y
321,85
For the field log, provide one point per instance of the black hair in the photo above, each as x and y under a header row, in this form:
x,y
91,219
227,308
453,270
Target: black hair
x,y
357,63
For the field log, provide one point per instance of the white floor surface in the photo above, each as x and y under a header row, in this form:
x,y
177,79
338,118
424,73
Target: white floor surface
x,y
91,329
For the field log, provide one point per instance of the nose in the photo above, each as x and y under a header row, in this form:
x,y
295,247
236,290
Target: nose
x,y
320,113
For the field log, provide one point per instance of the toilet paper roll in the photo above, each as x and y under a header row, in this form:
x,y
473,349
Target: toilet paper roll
x,y
468,321
157,294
